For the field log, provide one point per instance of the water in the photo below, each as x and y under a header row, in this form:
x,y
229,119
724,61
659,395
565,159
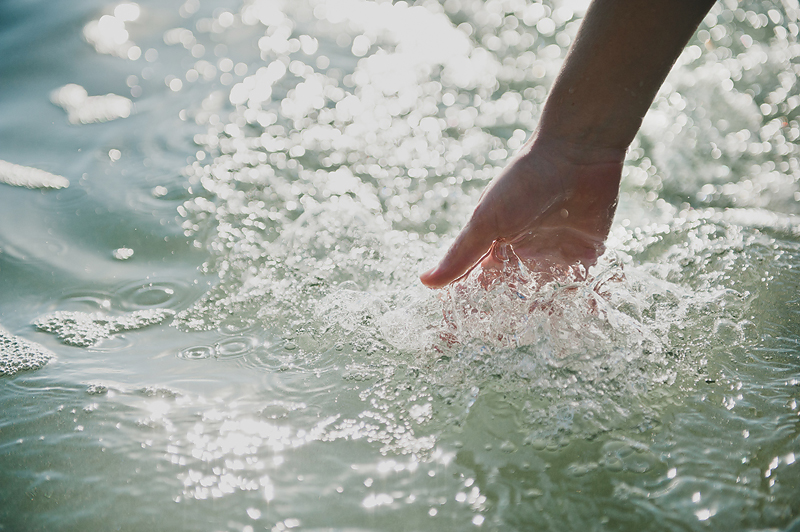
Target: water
x,y
217,324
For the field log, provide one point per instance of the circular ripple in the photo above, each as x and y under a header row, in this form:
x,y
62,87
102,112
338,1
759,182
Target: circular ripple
x,y
82,300
267,357
235,325
57,248
66,200
116,342
159,199
198,352
236,346
153,294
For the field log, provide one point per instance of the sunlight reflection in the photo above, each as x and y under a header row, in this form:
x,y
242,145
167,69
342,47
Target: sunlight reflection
x,y
227,450
25,176
84,109
108,34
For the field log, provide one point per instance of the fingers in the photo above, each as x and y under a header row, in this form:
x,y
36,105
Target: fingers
x,y
470,246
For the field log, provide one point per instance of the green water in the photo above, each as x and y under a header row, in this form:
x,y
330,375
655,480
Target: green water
x,y
218,326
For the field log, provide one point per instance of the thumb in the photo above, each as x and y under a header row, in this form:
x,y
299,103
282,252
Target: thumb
x,y
470,246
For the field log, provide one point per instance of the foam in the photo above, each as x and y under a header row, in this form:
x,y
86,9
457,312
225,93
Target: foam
x,y
84,109
24,176
18,354
83,329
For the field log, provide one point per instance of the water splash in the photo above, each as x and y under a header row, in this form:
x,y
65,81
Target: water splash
x,y
329,187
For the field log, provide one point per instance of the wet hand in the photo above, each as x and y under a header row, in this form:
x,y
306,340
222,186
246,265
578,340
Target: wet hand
x,y
551,208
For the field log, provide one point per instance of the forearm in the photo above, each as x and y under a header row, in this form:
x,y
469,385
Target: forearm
x,y
622,54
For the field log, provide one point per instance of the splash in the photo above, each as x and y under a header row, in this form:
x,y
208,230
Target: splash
x,y
328,187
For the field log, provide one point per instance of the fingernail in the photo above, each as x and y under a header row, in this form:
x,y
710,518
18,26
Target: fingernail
x,y
425,276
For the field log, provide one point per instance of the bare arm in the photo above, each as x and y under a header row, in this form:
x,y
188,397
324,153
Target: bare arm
x,y
554,202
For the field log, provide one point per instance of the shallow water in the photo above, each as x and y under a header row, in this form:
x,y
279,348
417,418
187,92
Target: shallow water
x,y
217,324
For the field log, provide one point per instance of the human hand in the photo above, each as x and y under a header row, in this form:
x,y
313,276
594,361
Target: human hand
x,y
552,207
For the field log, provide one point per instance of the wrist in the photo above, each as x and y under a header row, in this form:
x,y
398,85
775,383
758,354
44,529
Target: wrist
x,y
576,151
591,117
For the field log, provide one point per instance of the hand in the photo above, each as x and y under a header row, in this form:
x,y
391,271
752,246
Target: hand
x,y
552,205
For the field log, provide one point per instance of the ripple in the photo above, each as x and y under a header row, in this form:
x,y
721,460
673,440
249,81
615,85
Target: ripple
x,y
269,358
160,197
236,347
112,344
309,388
154,294
83,299
236,325
68,199
198,352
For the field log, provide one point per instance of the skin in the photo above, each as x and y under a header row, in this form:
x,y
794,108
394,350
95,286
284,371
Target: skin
x,y
553,205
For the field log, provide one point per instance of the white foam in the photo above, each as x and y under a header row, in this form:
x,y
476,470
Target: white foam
x,y
25,176
84,109
18,354
83,329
